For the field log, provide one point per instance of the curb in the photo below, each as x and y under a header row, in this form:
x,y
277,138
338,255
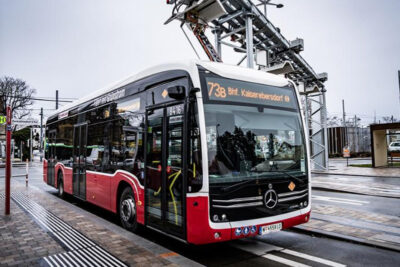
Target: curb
x,y
359,175
341,237
349,192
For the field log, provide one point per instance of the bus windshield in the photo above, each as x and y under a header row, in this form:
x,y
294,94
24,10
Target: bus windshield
x,y
252,138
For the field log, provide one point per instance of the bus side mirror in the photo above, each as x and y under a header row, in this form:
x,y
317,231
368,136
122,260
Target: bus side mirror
x,y
176,92
194,90
192,93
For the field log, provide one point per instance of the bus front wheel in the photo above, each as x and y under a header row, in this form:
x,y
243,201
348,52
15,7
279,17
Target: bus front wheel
x,y
127,210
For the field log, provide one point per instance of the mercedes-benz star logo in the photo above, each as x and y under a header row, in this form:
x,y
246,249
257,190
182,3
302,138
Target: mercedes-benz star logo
x,y
270,199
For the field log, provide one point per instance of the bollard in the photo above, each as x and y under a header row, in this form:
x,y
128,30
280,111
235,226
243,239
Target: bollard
x,y
27,169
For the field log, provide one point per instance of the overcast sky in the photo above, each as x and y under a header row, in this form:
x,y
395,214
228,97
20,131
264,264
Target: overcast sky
x,y
78,46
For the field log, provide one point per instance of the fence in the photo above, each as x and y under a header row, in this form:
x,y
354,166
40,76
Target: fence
x,y
357,138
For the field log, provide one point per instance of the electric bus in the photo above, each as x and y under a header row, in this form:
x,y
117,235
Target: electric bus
x,y
200,151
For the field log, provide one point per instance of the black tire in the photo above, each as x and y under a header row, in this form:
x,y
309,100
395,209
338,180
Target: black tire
x,y
61,192
127,210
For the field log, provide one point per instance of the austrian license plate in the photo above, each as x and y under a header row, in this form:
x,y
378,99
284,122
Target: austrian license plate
x,y
271,228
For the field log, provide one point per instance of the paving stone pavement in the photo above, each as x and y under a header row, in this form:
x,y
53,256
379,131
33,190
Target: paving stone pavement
x,y
339,166
381,230
26,243
23,242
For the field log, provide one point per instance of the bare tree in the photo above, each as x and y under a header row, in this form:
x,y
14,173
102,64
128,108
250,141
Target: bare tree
x,y
17,94
389,119
334,121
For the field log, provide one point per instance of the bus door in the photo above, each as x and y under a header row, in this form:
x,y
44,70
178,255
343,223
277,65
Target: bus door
x,y
164,181
79,161
51,161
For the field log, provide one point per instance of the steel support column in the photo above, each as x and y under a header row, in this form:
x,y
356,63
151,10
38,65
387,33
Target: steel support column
x,y
324,121
318,131
217,36
249,41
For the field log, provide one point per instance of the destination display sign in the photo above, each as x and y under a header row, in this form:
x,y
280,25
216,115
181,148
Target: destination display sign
x,y
221,89
109,97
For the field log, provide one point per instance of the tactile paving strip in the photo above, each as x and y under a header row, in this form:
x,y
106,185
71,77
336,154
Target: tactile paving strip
x,y
81,251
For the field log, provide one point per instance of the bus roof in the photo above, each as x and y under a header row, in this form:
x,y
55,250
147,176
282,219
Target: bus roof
x,y
224,70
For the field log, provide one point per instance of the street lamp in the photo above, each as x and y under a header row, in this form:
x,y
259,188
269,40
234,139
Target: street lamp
x,y
268,2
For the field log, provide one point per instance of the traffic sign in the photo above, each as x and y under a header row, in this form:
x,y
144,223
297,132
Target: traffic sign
x,y
25,122
346,152
3,119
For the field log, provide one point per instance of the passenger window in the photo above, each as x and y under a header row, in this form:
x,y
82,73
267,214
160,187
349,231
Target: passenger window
x,y
96,152
195,177
126,152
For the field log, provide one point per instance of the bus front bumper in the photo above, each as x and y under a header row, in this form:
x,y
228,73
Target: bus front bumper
x,y
200,230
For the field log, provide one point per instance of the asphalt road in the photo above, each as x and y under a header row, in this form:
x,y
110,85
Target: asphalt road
x,y
285,248
383,205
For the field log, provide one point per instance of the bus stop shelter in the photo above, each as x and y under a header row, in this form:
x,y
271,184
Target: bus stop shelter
x,y
379,144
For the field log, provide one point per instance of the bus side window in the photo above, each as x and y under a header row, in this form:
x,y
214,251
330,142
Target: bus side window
x,y
65,141
127,147
95,147
195,177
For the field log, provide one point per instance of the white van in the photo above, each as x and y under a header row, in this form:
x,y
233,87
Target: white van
x,y
394,147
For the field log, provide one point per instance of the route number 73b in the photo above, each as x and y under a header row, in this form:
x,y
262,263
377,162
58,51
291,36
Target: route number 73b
x,y
216,89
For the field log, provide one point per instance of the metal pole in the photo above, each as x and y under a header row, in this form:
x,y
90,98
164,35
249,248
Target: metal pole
x,y
249,41
344,124
399,88
325,115
30,146
27,171
8,161
217,37
41,135
356,147
56,99
265,8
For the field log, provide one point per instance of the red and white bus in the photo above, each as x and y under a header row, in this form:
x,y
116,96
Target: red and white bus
x,y
201,151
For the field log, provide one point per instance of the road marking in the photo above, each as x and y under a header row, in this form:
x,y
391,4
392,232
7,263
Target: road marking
x,y
312,258
254,247
284,261
341,200
263,249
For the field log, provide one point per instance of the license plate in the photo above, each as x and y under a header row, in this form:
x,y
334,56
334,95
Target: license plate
x,y
271,228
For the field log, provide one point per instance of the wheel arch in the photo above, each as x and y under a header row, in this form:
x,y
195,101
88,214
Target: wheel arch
x,y
57,170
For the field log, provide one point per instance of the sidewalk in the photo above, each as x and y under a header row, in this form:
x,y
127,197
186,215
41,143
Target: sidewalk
x,y
338,166
357,226
43,230
351,185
